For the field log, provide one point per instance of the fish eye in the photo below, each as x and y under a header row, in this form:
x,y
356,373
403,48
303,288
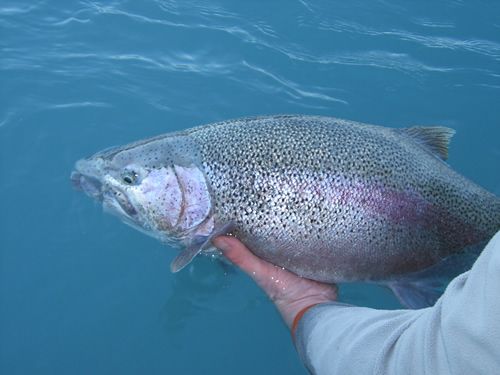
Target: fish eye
x,y
129,177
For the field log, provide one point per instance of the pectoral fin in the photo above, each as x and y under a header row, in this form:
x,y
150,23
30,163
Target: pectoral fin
x,y
196,246
186,256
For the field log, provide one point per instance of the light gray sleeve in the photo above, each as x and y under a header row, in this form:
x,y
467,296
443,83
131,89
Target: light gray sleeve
x,y
460,334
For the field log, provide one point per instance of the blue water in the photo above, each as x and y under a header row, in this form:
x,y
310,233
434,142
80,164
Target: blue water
x,y
81,293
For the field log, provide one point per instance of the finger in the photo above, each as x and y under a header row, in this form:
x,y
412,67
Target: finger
x,y
239,254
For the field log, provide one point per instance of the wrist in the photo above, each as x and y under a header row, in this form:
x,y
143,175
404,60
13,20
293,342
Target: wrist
x,y
298,317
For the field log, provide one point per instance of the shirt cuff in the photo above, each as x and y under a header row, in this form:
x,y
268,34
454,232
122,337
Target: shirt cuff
x,y
305,326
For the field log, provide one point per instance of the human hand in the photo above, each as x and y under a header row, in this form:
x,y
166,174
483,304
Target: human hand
x,y
291,294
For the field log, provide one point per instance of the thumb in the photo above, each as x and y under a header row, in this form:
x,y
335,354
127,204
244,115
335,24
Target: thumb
x,y
239,254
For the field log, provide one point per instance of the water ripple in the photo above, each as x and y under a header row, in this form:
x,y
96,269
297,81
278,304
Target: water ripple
x,y
7,118
70,20
434,24
306,5
386,60
484,47
293,89
177,63
248,36
79,105
261,34
16,10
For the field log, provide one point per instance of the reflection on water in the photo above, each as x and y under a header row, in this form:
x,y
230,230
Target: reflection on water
x,y
207,285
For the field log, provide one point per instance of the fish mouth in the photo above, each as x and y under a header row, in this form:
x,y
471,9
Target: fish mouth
x,y
88,184
88,177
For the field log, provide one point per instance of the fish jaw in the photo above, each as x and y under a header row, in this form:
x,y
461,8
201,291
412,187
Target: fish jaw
x,y
87,177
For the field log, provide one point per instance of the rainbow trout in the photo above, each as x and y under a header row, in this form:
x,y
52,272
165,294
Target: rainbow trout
x,y
328,199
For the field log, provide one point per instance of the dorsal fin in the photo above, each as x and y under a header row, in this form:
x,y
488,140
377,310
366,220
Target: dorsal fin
x,y
436,139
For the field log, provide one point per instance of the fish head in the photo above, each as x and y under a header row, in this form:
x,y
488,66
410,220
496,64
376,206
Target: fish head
x,y
147,187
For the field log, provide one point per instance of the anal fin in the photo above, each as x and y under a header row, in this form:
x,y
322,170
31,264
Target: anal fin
x,y
423,288
417,295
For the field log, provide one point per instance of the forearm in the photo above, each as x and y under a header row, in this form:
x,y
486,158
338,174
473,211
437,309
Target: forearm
x,y
335,338
459,335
